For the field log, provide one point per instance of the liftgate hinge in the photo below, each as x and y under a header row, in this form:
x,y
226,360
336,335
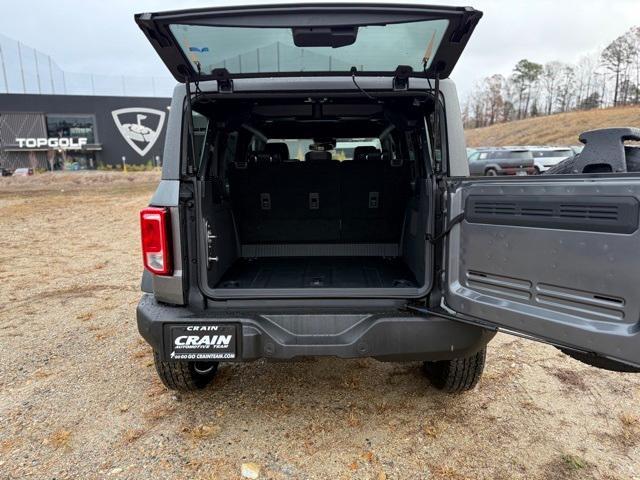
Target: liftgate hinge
x,y
452,223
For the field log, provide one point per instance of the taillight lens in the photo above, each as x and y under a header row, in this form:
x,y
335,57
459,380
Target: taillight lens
x,y
156,254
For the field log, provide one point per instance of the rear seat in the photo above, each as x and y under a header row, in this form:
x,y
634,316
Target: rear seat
x,y
320,199
319,196
361,197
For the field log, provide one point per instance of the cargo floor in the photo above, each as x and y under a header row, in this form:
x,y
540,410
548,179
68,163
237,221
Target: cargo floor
x,y
318,272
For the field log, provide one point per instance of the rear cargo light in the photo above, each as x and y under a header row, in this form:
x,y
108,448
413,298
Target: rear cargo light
x,y
156,254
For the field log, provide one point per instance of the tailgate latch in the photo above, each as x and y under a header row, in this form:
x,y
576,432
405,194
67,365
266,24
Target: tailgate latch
x,y
401,77
223,78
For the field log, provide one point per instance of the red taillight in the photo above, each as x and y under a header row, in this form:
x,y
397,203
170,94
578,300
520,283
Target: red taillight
x,y
156,254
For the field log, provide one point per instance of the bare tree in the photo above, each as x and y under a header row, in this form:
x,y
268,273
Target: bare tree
x,y
525,75
611,77
493,95
584,71
616,57
565,88
549,80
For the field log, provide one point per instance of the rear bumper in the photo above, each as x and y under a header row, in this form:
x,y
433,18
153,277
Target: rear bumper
x,y
389,336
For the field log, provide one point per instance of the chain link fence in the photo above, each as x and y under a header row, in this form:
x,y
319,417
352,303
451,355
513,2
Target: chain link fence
x,y
26,70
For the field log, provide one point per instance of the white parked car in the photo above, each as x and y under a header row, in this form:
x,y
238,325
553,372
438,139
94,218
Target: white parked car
x,y
547,157
23,172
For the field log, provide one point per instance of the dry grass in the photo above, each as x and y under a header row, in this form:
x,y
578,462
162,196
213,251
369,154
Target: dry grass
x,y
571,379
560,129
629,435
74,181
75,406
201,432
60,439
132,435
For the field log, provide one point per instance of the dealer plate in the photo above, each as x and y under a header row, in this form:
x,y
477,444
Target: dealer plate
x,y
202,342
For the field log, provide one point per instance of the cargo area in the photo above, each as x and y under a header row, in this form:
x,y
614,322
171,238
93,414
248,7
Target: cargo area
x,y
318,272
304,197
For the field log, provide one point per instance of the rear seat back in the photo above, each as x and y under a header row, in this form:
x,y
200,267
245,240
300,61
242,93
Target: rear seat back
x,y
362,199
320,199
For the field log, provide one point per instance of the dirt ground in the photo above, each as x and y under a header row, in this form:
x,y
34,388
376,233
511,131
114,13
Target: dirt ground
x,y
79,397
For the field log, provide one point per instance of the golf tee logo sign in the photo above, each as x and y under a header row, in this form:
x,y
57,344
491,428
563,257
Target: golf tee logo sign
x,y
140,127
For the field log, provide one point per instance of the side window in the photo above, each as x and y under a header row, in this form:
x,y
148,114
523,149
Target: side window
x,y
483,156
200,129
230,147
474,157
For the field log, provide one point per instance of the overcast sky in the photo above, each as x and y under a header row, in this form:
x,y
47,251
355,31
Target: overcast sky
x,y
101,37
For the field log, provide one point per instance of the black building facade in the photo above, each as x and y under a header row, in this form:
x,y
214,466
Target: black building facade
x,y
54,132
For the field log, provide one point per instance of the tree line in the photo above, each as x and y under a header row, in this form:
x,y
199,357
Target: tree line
x,y
608,78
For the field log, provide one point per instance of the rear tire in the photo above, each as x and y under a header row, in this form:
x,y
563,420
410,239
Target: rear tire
x,y
184,376
457,375
491,172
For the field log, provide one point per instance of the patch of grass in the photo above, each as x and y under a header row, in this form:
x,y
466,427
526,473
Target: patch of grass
x,y
83,317
431,430
132,435
446,472
570,379
7,446
629,420
60,439
140,354
41,373
559,129
567,466
201,432
573,462
158,413
629,435
353,420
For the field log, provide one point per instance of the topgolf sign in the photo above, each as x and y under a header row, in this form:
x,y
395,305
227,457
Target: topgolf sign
x,y
54,143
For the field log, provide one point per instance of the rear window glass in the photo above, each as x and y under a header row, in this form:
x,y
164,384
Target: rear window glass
x,y
377,48
511,154
343,150
552,153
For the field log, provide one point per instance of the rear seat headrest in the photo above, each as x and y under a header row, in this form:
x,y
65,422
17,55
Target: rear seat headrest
x,y
361,152
278,148
314,156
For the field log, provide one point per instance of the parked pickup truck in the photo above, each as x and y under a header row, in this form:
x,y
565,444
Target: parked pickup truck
x,y
253,251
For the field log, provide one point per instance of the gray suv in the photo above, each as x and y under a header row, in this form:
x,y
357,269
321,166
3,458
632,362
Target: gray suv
x,y
501,161
264,241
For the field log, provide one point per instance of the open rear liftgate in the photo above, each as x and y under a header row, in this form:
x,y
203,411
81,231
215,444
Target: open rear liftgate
x,y
551,258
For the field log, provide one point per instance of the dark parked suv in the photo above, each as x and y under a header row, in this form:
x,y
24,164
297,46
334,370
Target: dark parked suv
x,y
263,241
501,161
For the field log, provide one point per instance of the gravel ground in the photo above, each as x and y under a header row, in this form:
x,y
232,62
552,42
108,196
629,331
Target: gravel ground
x,y
79,397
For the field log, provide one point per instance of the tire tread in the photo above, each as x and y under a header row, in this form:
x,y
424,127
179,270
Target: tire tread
x,y
179,375
456,375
